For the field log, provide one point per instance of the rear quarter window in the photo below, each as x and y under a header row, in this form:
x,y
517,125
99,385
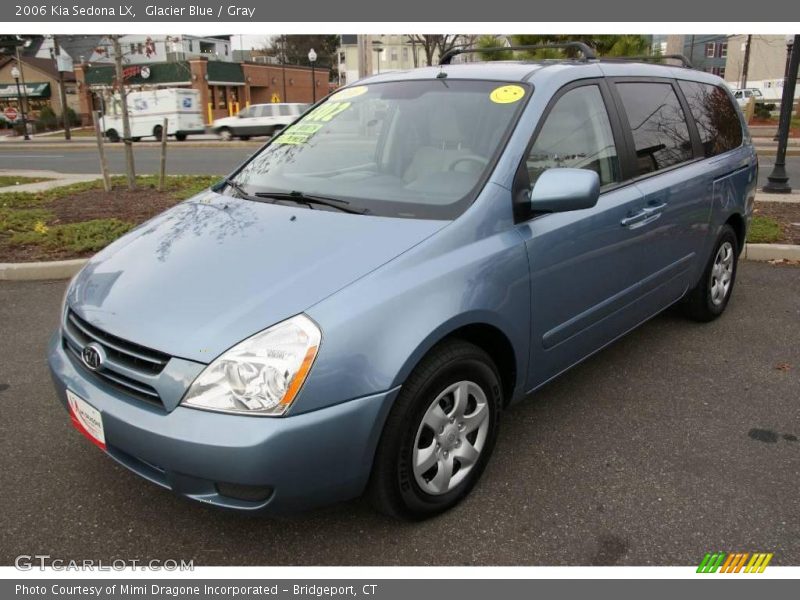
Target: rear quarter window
x,y
717,121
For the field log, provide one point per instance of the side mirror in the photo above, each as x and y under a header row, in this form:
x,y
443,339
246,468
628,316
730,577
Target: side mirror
x,y
563,189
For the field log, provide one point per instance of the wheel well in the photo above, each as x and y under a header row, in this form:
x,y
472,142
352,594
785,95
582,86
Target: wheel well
x,y
737,223
495,343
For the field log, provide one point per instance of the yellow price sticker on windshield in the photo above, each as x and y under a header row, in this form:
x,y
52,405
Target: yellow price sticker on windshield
x,y
507,94
348,93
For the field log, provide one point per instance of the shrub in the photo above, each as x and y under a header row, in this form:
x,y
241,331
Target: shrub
x,y
48,118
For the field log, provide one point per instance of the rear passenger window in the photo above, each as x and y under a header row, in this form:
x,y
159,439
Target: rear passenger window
x,y
717,121
660,133
576,134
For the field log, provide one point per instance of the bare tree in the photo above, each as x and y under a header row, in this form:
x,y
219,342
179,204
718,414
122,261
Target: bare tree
x,y
130,169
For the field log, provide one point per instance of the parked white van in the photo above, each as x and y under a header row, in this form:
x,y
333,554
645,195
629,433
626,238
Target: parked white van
x,y
258,119
147,110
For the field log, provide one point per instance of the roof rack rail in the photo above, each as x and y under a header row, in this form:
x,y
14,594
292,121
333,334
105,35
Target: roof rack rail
x,y
686,62
585,49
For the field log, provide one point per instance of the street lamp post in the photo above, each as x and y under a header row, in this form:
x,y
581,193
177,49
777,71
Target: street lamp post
x,y
377,48
312,58
778,180
15,74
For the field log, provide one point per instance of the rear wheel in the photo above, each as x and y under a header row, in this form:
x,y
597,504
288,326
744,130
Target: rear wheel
x,y
112,136
180,137
244,138
225,134
440,433
157,131
709,298
136,139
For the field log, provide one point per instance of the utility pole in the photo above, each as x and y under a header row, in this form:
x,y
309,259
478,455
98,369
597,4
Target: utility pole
x,y
62,93
746,63
23,101
130,169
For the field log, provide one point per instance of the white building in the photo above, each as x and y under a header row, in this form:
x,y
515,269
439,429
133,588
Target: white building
x,y
144,49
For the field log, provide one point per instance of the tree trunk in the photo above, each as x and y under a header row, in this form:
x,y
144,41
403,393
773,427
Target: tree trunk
x,y
130,169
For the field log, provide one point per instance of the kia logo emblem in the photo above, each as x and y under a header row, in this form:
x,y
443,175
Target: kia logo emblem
x,y
93,356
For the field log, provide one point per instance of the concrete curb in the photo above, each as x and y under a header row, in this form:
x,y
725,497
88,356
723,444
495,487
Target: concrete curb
x,y
65,269
764,252
59,269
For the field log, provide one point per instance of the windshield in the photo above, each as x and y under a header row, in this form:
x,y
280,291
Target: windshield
x,y
416,149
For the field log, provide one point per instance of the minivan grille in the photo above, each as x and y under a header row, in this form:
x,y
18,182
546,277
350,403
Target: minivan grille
x,y
128,366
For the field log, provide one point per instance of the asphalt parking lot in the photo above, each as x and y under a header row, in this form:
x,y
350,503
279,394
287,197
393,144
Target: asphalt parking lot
x,y
679,439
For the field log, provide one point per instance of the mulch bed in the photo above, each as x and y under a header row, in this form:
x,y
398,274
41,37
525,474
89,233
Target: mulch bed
x,y
787,215
134,207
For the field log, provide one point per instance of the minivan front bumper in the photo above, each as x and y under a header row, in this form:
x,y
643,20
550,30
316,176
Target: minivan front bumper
x,y
277,465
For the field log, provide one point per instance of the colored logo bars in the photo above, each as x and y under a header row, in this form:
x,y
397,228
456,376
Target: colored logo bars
x,y
735,562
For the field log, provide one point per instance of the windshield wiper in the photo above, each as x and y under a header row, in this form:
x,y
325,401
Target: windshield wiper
x,y
310,200
239,188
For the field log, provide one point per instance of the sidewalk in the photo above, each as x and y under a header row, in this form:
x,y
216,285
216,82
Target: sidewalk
x,y
792,198
56,180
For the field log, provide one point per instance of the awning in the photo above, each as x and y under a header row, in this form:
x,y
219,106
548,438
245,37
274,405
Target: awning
x,y
32,90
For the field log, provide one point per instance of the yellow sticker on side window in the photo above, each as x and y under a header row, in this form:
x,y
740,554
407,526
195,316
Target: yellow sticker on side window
x,y
507,94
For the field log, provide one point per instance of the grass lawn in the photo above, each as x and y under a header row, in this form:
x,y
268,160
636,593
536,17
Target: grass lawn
x,y
80,219
764,230
7,180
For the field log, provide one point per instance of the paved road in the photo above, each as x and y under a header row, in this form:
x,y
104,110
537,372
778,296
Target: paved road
x,y
190,161
219,159
679,439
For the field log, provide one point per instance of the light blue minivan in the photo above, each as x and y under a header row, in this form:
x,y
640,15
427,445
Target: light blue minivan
x,y
351,310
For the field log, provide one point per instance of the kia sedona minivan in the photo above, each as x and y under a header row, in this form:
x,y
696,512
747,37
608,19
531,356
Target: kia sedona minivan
x,y
353,308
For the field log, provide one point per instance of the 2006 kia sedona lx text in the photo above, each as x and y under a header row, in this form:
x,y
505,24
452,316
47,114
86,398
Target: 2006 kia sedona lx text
x,y
352,308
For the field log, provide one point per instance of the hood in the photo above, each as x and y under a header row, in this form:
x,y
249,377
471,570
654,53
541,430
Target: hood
x,y
215,270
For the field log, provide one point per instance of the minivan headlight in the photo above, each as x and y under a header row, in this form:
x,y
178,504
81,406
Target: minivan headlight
x,y
261,375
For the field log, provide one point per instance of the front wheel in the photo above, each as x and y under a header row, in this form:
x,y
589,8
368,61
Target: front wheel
x,y
157,131
710,296
440,433
180,137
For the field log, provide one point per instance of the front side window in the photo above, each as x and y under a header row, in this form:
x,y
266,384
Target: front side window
x,y
413,149
660,133
577,133
717,121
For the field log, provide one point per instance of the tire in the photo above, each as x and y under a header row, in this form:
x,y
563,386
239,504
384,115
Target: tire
x,y
395,487
709,298
157,131
244,138
136,139
181,137
112,136
225,134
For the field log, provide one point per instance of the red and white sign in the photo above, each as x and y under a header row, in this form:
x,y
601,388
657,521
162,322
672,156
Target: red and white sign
x,y
86,419
10,113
